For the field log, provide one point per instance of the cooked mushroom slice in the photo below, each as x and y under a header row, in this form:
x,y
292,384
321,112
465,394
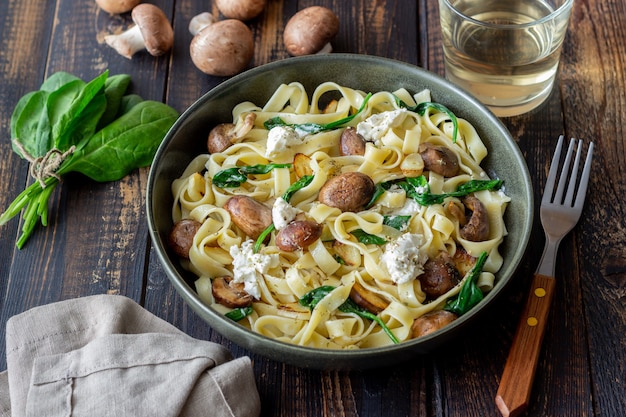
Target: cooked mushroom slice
x,y
181,236
350,191
152,31
221,48
457,212
348,254
431,322
224,135
230,294
249,215
117,6
310,31
463,261
351,142
439,159
439,277
477,227
240,9
297,235
368,300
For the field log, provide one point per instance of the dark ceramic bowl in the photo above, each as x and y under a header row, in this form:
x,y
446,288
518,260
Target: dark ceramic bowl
x,y
187,138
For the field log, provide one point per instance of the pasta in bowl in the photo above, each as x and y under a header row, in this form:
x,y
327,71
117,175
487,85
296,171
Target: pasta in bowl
x,y
337,219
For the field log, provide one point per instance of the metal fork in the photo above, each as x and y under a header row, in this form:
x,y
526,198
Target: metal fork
x,y
559,214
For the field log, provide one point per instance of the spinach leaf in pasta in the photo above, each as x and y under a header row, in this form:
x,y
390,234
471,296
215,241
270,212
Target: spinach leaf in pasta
x,y
470,293
367,238
313,297
312,128
234,177
239,313
421,109
418,189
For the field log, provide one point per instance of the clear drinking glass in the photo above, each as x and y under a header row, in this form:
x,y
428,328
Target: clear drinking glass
x,y
505,52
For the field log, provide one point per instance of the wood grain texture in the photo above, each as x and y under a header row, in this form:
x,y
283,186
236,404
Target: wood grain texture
x,y
97,241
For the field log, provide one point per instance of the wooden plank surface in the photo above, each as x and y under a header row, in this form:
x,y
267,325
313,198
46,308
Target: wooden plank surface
x,y
97,241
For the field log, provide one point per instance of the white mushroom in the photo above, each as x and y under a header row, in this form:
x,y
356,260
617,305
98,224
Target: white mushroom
x,y
221,48
117,6
310,31
240,9
152,31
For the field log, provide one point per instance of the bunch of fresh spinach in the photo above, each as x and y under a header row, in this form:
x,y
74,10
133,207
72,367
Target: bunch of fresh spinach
x,y
314,296
93,128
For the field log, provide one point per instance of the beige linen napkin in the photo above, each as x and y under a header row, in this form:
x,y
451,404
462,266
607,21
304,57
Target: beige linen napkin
x,y
105,355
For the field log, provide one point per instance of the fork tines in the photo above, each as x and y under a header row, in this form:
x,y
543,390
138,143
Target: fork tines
x,y
578,188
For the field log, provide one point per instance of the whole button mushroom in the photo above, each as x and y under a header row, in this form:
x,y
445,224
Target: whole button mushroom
x,y
310,31
240,9
152,31
221,48
117,6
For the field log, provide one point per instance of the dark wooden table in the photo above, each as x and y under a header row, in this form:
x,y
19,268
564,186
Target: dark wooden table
x,y
97,241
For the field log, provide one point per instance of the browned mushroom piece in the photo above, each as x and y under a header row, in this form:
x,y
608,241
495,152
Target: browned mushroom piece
x,y
310,31
368,300
440,276
431,322
117,6
298,234
249,215
152,31
350,191
221,48
240,9
224,135
229,293
463,261
180,239
477,227
351,142
439,159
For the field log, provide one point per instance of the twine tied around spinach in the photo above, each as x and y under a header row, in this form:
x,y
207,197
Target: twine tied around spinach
x,y
44,166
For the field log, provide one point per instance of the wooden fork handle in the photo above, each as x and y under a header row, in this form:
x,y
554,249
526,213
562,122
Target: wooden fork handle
x,y
519,371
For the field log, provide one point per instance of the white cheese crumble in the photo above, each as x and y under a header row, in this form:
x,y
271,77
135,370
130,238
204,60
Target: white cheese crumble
x,y
248,266
283,213
403,259
374,127
409,208
279,140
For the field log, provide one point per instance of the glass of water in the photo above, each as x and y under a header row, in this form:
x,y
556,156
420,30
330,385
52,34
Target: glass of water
x,y
504,52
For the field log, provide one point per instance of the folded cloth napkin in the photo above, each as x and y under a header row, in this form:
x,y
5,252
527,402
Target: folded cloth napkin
x,y
105,355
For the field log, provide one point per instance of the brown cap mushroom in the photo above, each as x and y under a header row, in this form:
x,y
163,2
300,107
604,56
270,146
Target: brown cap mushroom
x,y
117,6
222,48
310,31
240,9
152,31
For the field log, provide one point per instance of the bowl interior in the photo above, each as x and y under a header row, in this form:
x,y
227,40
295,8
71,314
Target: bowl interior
x,y
187,138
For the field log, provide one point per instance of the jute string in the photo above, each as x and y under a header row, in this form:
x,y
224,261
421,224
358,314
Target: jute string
x,y
44,167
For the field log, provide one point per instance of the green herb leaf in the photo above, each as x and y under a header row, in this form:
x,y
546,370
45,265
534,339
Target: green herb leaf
x,y
312,128
234,177
421,109
239,313
128,143
470,294
313,297
418,189
367,238
397,222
